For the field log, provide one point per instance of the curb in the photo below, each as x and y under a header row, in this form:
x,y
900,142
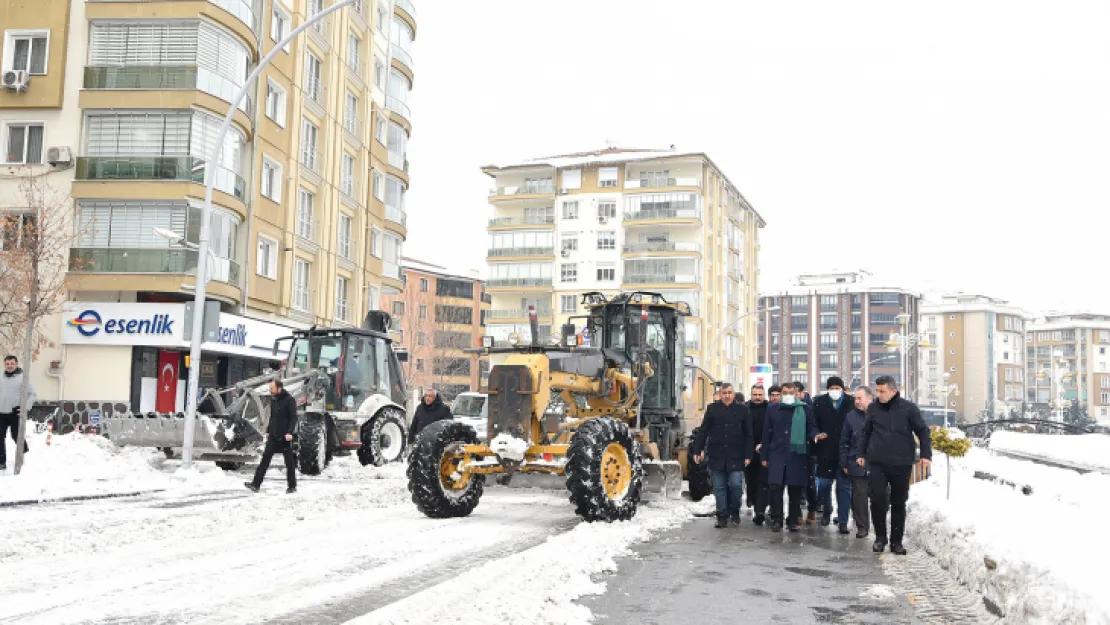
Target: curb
x,y
29,502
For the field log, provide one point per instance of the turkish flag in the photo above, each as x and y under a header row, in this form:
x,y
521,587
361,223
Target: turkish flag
x,y
166,397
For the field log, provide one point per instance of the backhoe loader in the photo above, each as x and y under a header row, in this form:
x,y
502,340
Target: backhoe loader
x,y
626,414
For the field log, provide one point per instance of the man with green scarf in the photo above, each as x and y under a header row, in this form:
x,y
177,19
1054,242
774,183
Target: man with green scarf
x,y
788,430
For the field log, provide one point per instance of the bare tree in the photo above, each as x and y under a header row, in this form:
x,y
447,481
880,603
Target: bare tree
x,y
33,263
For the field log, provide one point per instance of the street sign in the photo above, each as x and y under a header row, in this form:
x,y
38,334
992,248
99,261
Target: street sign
x,y
761,375
94,417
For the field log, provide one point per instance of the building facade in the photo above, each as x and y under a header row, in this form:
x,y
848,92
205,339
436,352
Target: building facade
x,y
836,324
121,109
435,318
624,220
1067,358
976,365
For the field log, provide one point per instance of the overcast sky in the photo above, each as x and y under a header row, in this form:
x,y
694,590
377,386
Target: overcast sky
x,y
941,145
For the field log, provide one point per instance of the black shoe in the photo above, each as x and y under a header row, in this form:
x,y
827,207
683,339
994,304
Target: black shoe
x,y
722,521
843,529
735,519
251,486
898,549
290,490
879,546
776,527
794,527
826,520
758,519
3,467
863,535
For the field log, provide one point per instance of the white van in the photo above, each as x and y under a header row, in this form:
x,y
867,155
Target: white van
x,y
470,408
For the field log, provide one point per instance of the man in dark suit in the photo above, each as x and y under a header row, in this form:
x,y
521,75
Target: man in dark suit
x,y
279,437
725,440
787,434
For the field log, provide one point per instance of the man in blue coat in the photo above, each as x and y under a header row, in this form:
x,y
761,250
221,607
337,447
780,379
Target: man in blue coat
x,y
789,430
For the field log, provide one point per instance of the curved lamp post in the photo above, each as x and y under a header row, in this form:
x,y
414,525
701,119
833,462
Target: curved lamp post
x,y
904,342
721,332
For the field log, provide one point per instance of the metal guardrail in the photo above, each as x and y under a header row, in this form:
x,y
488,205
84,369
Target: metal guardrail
x,y
175,168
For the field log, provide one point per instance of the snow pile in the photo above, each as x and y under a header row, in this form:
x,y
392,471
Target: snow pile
x,y
544,580
79,465
1030,555
1088,451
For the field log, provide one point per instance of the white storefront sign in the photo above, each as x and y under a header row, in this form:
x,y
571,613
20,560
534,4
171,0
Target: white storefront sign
x,y
760,375
248,337
110,323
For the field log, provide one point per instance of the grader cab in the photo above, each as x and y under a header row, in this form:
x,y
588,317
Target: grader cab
x,y
623,417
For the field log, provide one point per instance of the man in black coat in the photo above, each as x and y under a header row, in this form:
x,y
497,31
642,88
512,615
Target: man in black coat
x,y
429,411
756,477
830,411
725,440
784,452
849,441
886,447
279,437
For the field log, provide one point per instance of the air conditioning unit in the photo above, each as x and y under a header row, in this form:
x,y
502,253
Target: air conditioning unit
x,y
565,253
601,219
562,191
16,80
59,156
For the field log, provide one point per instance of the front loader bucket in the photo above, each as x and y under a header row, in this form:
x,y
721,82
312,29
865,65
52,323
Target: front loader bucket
x,y
163,430
662,479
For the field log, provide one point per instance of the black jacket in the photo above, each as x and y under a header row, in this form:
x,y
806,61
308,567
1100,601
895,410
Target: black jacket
x,y
849,441
888,431
725,435
830,420
426,415
283,415
758,413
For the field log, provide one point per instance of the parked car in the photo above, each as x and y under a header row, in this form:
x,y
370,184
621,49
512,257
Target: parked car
x,y
470,408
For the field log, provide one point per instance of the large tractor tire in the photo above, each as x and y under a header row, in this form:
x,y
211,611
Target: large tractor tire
x,y
383,438
437,489
312,445
605,471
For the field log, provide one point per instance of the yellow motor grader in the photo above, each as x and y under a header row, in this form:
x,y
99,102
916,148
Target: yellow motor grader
x,y
628,404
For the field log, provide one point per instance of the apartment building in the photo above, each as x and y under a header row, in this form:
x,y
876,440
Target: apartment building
x,y
119,104
1067,359
617,220
976,363
837,324
435,318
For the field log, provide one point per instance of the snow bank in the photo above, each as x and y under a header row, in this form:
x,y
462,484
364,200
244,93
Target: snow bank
x,y
537,585
1038,557
76,465
1089,451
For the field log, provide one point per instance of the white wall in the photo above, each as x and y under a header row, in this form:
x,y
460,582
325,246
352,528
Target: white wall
x,y
98,372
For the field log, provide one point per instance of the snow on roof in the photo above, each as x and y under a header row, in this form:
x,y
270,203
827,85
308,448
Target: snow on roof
x,y
426,267
595,157
830,282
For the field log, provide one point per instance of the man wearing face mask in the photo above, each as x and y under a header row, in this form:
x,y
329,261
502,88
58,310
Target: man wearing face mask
x,y
886,448
829,410
755,474
788,431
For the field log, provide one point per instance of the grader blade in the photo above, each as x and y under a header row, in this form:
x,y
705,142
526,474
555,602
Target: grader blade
x,y
662,479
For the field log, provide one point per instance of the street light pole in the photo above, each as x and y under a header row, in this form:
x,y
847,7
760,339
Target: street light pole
x,y
709,351
193,395
861,369
903,343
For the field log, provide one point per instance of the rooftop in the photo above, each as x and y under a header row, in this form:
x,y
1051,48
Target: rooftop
x,y
439,270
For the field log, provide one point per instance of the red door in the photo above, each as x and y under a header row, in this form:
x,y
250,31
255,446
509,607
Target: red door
x,y
169,364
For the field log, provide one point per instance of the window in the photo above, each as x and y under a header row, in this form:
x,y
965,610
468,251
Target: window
x,y
799,340
567,304
310,134
570,210
420,361
350,114
376,242
1105,398
279,25
568,272
379,129
799,361
381,18
572,179
570,241
607,209
398,309
313,77
271,179
829,361
24,144
302,295
606,274
266,258
26,51
799,321
829,340
379,74
379,185
423,285
422,311
14,227
342,311
607,177
828,302
345,237
1104,382
885,299
828,322
463,289
607,240
455,314
354,54
275,103
347,175
857,340
883,319
799,301
306,225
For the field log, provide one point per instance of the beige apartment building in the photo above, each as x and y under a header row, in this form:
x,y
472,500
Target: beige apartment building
x,y
617,220
118,105
1068,356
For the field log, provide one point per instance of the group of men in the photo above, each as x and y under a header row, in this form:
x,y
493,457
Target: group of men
x,y
782,443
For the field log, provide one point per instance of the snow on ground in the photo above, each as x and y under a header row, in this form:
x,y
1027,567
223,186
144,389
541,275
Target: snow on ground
x,y
1046,555
1088,451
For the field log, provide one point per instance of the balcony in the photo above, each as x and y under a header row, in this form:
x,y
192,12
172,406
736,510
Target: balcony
x,y
352,130
520,282
662,246
398,107
401,55
406,6
164,78
391,270
530,188
521,251
658,182
167,168
517,313
533,220
660,278
663,214
148,260
396,215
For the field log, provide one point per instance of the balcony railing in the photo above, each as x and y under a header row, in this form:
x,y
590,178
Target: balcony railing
x,y
406,6
302,298
654,182
398,107
518,313
177,168
316,91
663,213
148,260
349,187
319,32
504,282
401,55
541,188
396,215
693,344
662,246
306,228
522,251
660,278
532,220
398,160
391,270
163,78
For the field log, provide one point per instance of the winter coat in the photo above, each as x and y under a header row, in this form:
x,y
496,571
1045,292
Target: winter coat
x,y
11,384
830,420
427,414
888,432
849,441
785,467
758,413
725,435
283,416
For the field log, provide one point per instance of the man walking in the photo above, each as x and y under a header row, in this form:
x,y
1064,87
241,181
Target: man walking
x,y
279,437
829,410
725,440
429,411
789,430
886,447
754,473
849,441
774,394
11,411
